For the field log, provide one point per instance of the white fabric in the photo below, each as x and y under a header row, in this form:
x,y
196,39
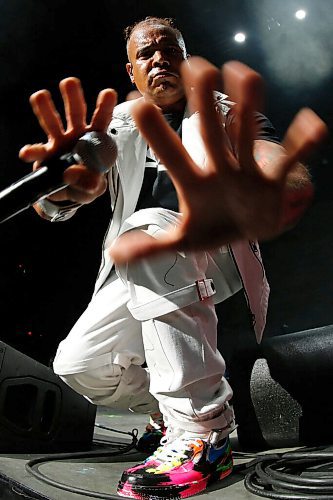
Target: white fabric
x,y
107,346
125,181
102,356
170,291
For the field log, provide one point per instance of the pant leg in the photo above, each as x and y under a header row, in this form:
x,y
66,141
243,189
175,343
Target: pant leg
x,y
186,369
101,357
180,338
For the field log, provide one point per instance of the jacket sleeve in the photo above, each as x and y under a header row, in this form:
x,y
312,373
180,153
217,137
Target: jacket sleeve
x,y
62,211
56,212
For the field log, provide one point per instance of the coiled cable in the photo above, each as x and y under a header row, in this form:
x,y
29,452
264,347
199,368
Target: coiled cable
x,y
304,473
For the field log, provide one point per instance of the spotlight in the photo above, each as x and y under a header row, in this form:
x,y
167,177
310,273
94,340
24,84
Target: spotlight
x,y
300,14
240,37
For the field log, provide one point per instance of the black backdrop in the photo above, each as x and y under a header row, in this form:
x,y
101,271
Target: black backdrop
x,y
47,270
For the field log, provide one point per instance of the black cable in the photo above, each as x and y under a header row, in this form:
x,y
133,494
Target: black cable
x,y
276,476
279,477
32,465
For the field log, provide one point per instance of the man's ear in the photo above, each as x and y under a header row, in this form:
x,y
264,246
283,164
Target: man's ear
x,y
129,69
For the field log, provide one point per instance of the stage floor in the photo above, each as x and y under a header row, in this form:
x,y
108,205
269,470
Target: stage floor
x,y
97,474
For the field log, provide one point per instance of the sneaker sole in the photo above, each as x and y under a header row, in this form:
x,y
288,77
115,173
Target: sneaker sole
x,y
173,492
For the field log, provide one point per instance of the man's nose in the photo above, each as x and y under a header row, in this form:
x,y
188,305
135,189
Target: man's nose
x,y
160,59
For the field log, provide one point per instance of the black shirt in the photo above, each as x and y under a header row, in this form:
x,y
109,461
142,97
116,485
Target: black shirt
x,y
157,188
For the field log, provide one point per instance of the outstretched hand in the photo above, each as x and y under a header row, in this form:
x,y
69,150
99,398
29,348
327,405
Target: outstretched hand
x,y
83,185
235,196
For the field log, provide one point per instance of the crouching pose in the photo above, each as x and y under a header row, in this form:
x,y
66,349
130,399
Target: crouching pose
x,y
197,180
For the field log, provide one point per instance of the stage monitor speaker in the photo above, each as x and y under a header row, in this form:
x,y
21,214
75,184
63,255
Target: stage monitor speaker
x,y
38,412
283,390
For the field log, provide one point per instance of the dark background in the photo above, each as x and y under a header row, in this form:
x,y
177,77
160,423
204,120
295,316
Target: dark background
x,y
47,271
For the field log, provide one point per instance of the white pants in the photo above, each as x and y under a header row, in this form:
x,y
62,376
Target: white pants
x,y
151,312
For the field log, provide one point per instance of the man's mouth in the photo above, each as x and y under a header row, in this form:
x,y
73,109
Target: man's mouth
x,y
164,74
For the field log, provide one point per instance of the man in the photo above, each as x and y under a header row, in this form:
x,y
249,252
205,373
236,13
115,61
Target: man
x,y
160,310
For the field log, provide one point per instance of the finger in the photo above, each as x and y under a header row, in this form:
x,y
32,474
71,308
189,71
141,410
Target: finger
x,y
85,197
46,113
75,104
82,186
306,132
105,103
81,179
200,80
62,195
33,152
295,204
136,245
165,143
243,85
245,88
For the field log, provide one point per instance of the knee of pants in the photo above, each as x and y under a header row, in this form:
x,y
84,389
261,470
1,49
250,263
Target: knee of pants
x,y
81,357
97,384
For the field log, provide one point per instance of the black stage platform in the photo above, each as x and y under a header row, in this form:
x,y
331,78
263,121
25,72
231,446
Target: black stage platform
x,y
99,474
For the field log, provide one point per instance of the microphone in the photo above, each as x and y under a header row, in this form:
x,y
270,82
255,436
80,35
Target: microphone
x,y
96,150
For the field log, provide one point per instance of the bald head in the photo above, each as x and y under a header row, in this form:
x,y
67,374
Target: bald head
x,y
158,23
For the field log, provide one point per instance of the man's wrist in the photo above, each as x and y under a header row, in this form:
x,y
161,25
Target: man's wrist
x,y
59,210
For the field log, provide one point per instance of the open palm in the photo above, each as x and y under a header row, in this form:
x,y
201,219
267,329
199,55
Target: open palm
x,y
234,196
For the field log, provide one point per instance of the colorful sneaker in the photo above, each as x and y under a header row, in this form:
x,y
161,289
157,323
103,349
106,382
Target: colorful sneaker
x,y
151,438
183,466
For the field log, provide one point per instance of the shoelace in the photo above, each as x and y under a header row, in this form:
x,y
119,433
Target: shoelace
x,y
156,421
174,451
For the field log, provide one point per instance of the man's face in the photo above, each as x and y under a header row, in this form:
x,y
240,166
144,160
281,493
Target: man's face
x,y
155,54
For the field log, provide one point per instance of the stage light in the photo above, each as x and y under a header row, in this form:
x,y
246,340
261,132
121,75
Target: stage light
x,y
298,58
300,14
240,37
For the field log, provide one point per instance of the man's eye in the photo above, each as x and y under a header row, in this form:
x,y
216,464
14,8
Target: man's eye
x,y
144,54
172,50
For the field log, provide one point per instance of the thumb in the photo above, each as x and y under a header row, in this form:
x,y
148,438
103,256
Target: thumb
x,y
306,132
135,245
